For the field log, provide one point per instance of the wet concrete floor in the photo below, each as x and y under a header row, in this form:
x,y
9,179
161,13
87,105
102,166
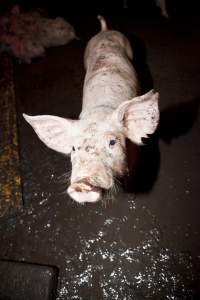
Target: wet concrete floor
x,y
143,245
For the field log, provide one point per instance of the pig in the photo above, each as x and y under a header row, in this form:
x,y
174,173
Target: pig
x,y
23,48
112,111
163,7
56,32
27,35
161,4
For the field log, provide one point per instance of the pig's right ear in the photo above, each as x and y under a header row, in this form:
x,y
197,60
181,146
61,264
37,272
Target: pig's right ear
x,y
139,117
55,132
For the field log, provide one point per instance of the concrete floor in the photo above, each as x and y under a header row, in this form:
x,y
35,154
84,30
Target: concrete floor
x,y
143,245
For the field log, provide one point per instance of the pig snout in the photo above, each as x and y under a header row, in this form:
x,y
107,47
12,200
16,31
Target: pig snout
x,y
82,191
90,188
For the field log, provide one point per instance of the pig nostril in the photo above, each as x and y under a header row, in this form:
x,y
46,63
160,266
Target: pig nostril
x,y
82,192
77,189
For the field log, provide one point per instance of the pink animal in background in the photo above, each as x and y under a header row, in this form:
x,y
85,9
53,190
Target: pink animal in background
x,y
161,4
163,7
27,35
112,111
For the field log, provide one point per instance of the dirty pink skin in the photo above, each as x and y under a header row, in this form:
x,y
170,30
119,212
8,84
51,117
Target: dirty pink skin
x,y
112,111
27,35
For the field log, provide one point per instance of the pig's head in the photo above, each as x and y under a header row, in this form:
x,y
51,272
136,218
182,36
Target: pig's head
x,y
57,32
97,146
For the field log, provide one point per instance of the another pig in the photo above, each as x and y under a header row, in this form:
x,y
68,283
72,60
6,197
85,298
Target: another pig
x,y
23,48
112,111
163,7
27,35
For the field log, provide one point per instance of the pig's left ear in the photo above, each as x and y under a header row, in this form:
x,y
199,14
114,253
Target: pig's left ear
x,y
55,132
138,117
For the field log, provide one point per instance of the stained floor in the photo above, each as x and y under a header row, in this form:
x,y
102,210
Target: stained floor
x,y
141,245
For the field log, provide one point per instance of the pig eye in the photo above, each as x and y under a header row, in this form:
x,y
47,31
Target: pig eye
x,y
112,142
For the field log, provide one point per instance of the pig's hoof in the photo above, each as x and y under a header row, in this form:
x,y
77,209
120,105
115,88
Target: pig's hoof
x,y
84,192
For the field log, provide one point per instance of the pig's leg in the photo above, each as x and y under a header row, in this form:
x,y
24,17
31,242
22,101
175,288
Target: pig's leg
x,y
162,5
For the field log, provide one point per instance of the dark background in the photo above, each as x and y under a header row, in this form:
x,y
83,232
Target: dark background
x,y
142,244
77,7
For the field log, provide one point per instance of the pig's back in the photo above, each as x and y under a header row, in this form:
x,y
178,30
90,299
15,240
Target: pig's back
x,y
110,76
